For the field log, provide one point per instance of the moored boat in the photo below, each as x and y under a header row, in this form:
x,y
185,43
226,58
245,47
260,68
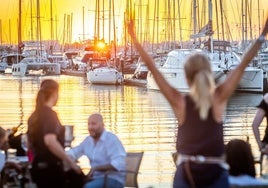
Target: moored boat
x,y
8,60
173,71
35,66
101,72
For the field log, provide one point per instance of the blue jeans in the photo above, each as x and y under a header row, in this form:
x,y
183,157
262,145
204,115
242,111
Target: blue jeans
x,y
181,182
99,183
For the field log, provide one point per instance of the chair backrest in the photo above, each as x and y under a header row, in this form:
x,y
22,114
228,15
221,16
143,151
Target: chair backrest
x,y
133,161
69,135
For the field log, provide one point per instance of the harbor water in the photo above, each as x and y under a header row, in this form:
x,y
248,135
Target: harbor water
x,y
141,118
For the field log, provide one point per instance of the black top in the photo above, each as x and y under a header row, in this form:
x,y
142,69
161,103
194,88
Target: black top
x,y
38,126
197,136
201,137
263,105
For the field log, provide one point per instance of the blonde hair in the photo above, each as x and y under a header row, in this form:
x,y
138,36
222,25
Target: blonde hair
x,y
201,82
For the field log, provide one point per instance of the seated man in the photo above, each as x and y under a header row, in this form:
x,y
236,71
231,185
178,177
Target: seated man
x,y
241,161
105,153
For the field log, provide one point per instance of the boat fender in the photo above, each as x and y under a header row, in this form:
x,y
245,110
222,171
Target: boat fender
x,y
119,80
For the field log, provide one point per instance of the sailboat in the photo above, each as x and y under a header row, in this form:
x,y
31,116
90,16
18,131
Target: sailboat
x,y
101,70
222,61
35,62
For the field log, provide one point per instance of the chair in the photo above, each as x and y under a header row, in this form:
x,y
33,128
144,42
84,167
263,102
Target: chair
x,y
259,161
69,135
133,161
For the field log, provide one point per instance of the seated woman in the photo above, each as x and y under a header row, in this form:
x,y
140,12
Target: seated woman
x,y
240,159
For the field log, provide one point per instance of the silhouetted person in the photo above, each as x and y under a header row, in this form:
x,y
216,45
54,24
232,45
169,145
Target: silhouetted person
x,y
46,139
241,161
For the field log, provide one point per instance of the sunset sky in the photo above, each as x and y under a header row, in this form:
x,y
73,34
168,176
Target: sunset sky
x,y
144,11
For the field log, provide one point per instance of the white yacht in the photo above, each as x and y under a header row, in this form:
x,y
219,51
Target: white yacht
x,y
60,59
6,62
35,66
221,63
100,72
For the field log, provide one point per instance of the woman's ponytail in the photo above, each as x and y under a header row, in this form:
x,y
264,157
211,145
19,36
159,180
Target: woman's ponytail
x,y
202,91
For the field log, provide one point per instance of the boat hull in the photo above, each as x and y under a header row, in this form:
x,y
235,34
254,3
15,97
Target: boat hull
x,y
251,81
23,69
104,75
173,71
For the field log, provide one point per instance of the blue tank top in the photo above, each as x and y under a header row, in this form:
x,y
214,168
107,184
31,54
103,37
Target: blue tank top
x,y
197,136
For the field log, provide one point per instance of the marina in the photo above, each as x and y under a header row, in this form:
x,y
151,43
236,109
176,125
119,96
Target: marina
x,y
86,48
141,118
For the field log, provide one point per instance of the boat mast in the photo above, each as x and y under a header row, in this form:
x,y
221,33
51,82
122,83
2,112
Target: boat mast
x,y
259,24
210,24
39,38
109,22
147,24
64,28
51,22
179,15
95,24
115,42
169,25
174,25
1,39
31,5
71,27
250,19
194,16
217,20
83,23
222,25
9,27
19,29
103,19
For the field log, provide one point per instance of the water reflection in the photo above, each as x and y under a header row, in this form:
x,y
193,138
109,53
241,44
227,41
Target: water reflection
x,y
142,119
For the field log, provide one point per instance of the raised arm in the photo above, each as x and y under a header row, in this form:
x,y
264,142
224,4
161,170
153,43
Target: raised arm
x,y
225,90
173,96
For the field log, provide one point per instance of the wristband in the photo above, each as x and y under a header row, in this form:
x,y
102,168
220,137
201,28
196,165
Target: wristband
x,y
261,38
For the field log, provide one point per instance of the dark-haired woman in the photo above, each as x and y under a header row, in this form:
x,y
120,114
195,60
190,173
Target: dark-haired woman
x,y
46,139
241,161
